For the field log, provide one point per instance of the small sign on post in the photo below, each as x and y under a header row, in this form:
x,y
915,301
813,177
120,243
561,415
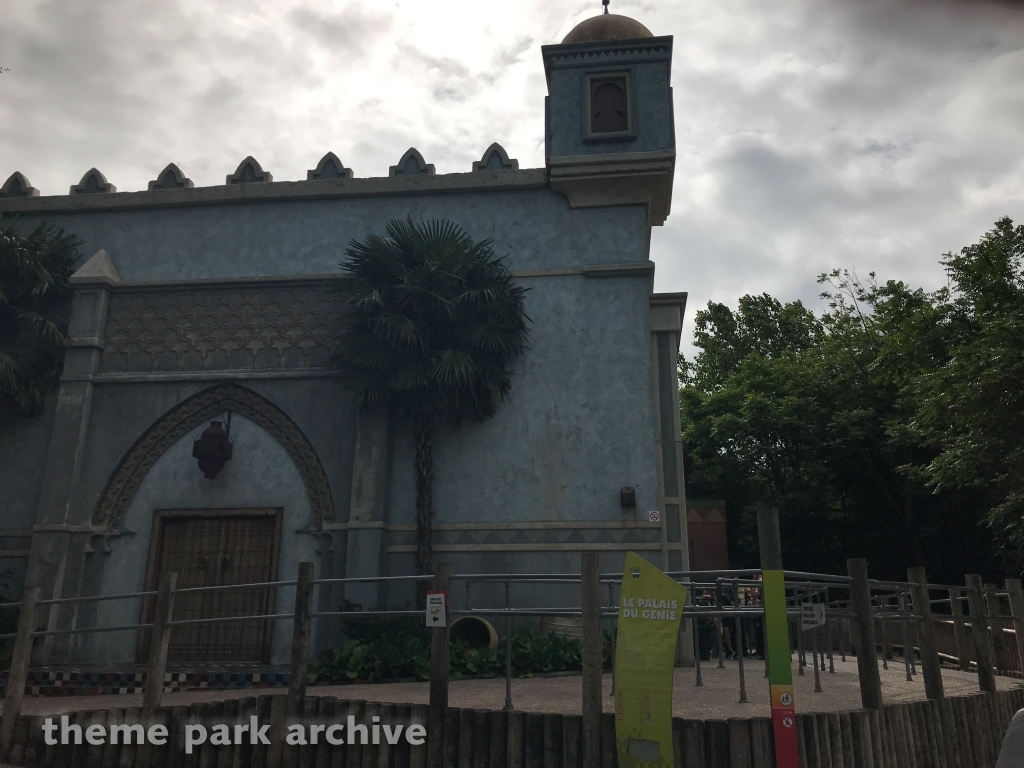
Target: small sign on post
x,y
812,615
437,609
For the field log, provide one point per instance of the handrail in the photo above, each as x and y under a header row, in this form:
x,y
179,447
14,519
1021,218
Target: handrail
x,y
255,585
362,579
95,598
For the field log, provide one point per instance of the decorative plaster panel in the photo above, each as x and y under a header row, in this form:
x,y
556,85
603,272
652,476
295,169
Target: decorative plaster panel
x,y
221,329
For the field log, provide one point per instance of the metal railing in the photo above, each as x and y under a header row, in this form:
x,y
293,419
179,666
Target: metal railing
x,y
723,617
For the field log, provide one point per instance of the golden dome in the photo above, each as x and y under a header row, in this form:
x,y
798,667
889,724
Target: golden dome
x,y
607,26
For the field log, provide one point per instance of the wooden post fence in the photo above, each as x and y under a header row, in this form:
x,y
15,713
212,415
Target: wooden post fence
x,y
930,664
867,658
159,642
18,675
590,585
983,650
995,625
963,643
1016,594
299,668
300,640
439,661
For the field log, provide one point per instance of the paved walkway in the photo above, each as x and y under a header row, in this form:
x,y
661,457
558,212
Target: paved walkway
x,y
717,698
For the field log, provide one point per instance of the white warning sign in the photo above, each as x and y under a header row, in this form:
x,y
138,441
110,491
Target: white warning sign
x,y
812,615
437,609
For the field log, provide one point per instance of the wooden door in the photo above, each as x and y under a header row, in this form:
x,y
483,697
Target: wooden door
x,y
216,548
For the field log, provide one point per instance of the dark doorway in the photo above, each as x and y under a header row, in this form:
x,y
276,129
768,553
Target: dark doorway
x,y
216,548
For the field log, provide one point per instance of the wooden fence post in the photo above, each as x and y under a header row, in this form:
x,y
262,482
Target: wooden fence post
x,y
300,640
995,622
930,664
439,661
867,655
591,604
18,675
979,629
159,642
963,644
299,668
1016,593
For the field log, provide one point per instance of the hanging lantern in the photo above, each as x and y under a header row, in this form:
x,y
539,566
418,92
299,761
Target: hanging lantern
x,y
213,449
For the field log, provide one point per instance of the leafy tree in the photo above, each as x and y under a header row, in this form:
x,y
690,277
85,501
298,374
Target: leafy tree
x,y
886,427
970,409
34,282
435,324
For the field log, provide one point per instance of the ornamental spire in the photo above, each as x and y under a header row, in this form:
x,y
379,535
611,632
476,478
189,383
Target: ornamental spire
x,y
605,3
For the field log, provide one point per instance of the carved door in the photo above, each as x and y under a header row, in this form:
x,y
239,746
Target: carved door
x,y
218,548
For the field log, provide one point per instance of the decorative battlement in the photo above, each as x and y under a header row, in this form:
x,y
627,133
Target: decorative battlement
x,y
249,171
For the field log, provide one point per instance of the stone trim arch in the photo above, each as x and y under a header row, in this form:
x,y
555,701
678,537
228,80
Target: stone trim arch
x,y
92,183
412,164
18,186
495,158
329,167
190,413
249,171
171,177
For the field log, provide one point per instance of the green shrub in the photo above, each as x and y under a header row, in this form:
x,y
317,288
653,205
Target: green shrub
x,y
379,649
399,648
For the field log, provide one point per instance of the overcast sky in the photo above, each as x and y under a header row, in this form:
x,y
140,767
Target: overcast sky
x,y
811,134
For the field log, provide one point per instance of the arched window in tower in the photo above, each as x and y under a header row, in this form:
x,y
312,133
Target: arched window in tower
x,y
609,105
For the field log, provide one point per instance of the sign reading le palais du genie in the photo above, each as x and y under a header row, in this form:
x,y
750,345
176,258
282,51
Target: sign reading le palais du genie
x,y
649,612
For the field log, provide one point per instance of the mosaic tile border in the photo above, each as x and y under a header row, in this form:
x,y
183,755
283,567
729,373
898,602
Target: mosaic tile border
x,y
78,682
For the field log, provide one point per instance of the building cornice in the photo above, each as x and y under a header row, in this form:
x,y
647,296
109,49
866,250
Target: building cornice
x,y
617,178
283,191
572,55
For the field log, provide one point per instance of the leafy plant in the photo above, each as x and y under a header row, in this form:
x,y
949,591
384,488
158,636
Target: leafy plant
x,y
541,652
435,322
394,649
34,281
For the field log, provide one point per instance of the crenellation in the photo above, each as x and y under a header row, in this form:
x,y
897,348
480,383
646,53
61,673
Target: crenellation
x,y
411,164
171,177
93,183
329,167
495,158
18,186
249,171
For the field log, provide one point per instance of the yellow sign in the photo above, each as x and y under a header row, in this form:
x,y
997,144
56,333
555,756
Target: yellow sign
x,y
649,612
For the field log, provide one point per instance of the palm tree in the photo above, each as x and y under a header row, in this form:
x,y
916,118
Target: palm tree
x,y
34,283
435,322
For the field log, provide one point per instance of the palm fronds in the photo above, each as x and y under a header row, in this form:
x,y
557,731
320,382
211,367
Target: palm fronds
x,y
435,321
34,282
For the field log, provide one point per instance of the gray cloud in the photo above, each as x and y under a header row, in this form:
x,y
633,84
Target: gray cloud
x,y
811,134
352,31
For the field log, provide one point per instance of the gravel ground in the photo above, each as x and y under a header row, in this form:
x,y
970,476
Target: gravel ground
x,y
717,698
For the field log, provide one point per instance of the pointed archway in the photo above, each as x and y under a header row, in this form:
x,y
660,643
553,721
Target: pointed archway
x,y
190,413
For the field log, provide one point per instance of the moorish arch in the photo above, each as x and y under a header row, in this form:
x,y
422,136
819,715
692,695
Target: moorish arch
x,y
190,413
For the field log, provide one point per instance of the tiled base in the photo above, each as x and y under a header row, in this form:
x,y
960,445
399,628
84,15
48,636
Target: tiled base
x,y
85,682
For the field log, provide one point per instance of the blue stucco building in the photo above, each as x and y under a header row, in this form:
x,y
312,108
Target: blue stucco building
x,y
202,304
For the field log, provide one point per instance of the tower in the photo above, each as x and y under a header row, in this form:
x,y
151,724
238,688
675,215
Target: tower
x,y
609,129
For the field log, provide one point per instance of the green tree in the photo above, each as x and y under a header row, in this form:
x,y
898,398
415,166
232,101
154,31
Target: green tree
x,y
886,427
435,323
34,282
970,408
